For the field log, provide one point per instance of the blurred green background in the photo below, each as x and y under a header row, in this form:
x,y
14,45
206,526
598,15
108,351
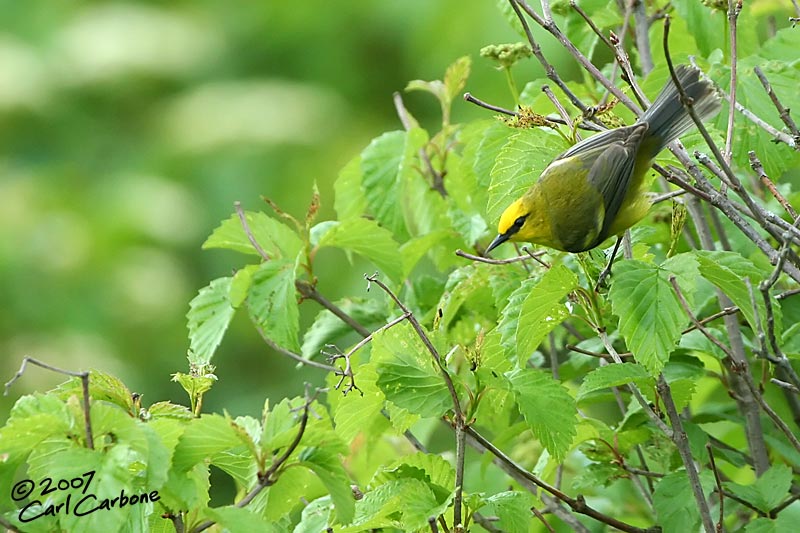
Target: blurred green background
x,y
127,131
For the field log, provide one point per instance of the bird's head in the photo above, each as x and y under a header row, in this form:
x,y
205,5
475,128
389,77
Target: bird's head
x,y
512,225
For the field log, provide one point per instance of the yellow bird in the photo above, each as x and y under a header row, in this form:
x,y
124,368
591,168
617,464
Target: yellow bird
x,y
596,189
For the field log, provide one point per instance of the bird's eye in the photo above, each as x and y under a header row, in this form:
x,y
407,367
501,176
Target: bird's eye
x,y
520,221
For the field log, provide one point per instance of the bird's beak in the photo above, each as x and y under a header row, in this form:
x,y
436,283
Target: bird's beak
x,y
500,239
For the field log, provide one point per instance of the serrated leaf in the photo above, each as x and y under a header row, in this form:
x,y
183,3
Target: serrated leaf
x,y
240,285
407,374
727,271
331,472
234,518
513,508
548,409
650,316
543,309
509,316
385,165
275,238
414,249
613,375
674,501
781,524
349,200
768,491
366,238
210,313
455,78
272,303
518,166
202,438
494,137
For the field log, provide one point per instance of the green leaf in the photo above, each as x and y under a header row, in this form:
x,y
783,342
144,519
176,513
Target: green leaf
x,y
455,78
275,238
674,501
513,508
543,310
240,285
272,303
727,271
650,316
349,200
365,237
234,518
613,375
386,164
358,413
331,472
781,524
548,409
707,25
407,374
414,249
315,516
767,491
518,166
202,438
210,313
509,316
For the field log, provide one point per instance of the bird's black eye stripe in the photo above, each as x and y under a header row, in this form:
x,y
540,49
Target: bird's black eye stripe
x,y
519,222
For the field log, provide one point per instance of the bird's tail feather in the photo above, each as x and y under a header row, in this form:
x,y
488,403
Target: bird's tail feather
x,y
667,117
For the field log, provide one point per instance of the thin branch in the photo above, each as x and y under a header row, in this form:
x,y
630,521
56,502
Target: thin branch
x,y
246,227
309,291
542,519
550,72
480,103
718,480
776,419
784,385
548,24
526,478
645,405
267,478
778,135
734,8
490,261
756,165
642,30
288,353
782,111
459,420
84,376
674,282
682,443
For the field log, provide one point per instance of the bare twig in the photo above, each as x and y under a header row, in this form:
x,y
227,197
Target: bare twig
x,y
84,376
642,29
782,111
785,385
489,260
674,282
269,477
645,405
246,227
525,478
682,443
480,103
719,486
307,290
734,8
550,72
542,519
756,165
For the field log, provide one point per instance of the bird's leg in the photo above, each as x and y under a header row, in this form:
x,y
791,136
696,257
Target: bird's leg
x,y
607,270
